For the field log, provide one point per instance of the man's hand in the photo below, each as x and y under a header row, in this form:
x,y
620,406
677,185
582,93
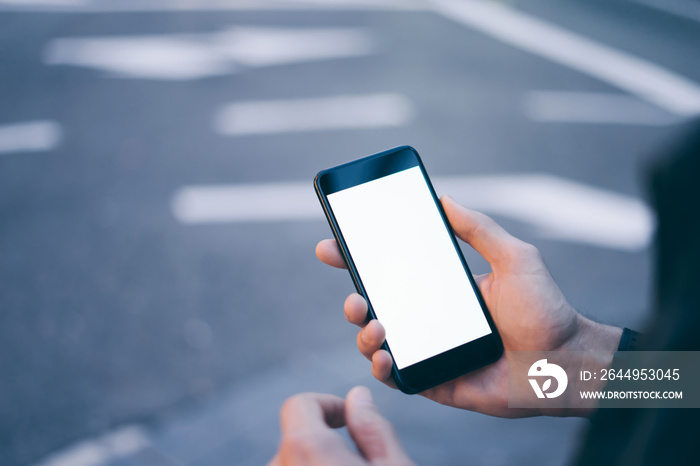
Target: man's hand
x,y
308,438
529,309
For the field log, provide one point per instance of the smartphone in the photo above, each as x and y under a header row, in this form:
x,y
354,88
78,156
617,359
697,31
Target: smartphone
x,y
404,259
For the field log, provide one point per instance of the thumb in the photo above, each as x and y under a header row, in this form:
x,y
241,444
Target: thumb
x,y
372,433
487,237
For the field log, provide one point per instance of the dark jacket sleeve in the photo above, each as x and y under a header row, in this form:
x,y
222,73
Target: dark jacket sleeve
x,y
663,436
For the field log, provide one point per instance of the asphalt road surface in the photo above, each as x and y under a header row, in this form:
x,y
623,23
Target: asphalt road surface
x,y
131,292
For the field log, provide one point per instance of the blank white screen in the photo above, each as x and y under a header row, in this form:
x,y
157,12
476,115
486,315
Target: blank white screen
x,y
408,265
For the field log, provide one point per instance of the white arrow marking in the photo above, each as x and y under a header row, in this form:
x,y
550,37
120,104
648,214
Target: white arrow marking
x,y
195,56
137,6
121,442
647,80
593,107
682,8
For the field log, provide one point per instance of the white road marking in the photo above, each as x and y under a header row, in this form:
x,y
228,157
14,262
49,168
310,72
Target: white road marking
x,y
683,8
195,56
165,58
137,6
245,203
637,76
30,136
591,107
259,46
121,442
25,4
557,208
316,114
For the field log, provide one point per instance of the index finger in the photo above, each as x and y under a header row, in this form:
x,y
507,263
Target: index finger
x,y
312,412
329,253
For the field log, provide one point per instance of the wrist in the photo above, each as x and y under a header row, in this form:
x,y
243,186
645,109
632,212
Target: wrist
x,y
594,336
599,342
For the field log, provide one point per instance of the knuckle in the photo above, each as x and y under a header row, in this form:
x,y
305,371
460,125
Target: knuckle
x,y
292,405
529,251
520,251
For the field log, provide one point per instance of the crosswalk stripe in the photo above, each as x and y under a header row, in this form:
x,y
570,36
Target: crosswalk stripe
x,y
555,207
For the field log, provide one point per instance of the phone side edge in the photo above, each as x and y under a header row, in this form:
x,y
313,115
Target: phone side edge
x,y
354,275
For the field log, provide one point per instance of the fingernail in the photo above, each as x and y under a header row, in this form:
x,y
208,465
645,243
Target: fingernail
x,y
363,395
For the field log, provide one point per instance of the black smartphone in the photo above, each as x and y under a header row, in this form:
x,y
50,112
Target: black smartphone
x,y
405,261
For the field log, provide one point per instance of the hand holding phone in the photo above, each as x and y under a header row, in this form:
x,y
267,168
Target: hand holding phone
x,y
404,260
526,304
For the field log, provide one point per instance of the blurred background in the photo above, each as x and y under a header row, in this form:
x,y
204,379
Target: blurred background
x,y
159,292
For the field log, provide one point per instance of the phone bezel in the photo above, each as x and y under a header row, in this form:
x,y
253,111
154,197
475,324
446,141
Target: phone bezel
x,y
444,366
